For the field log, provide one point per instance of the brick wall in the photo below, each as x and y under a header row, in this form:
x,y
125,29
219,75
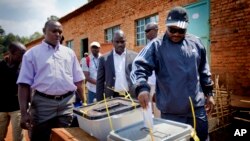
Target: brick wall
x,y
229,32
92,23
230,43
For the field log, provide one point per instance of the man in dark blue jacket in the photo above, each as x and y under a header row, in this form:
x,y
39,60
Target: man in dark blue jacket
x,y
182,71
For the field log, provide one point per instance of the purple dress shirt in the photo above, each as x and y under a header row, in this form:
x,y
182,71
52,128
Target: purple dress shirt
x,y
50,70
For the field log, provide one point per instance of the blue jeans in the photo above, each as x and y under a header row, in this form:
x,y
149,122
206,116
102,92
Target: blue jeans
x,y
91,97
201,121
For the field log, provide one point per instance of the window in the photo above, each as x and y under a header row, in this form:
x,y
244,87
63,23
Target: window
x,y
70,44
140,27
109,33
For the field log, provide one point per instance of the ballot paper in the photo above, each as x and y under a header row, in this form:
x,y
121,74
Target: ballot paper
x,y
148,116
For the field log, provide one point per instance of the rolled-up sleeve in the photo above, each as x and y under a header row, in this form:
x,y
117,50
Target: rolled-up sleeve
x,y
77,70
27,71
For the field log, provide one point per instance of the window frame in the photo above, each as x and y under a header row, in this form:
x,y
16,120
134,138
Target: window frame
x,y
140,35
109,33
70,44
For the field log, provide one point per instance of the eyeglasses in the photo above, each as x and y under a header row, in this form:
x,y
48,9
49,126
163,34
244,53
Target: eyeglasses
x,y
175,30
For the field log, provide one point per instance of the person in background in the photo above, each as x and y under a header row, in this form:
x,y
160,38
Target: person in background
x,y
151,31
114,69
90,67
86,54
54,73
182,71
9,71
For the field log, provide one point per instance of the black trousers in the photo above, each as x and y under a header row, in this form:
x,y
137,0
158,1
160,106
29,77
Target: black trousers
x,y
42,131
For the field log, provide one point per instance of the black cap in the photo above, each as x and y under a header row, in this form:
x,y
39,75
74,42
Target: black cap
x,y
177,17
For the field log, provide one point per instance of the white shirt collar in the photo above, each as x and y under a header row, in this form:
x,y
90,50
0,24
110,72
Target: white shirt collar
x,y
123,54
49,46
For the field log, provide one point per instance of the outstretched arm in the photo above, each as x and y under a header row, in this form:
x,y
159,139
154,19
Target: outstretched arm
x,y
142,68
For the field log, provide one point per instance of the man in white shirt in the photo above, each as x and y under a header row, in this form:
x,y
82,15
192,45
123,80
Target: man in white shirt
x,y
90,67
114,69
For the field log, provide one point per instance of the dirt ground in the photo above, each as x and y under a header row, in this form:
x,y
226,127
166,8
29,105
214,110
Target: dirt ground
x,y
9,135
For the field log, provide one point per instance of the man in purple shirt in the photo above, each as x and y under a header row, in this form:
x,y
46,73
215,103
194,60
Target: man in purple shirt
x,y
54,73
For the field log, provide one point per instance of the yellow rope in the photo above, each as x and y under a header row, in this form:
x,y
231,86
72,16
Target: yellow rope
x,y
193,133
126,95
86,110
151,134
150,129
110,122
120,93
129,96
84,94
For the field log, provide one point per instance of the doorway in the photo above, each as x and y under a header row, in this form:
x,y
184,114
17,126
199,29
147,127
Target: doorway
x,y
199,22
84,46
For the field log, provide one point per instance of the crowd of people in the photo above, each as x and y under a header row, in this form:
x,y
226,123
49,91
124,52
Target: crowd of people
x,y
41,84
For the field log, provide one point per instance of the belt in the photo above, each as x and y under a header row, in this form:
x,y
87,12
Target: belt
x,y
55,97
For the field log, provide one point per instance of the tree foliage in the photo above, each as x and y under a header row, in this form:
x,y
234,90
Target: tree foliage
x,y
6,39
2,32
35,36
53,17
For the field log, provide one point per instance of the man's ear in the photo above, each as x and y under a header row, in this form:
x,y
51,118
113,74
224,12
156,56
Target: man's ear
x,y
43,30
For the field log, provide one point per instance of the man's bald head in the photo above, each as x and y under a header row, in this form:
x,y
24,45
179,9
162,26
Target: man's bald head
x,y
119,34
151,30
52,32
119,41
16,52
16,46
51,23
152,25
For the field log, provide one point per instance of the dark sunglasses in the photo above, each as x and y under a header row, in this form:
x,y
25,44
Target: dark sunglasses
x,y
147,30
175,30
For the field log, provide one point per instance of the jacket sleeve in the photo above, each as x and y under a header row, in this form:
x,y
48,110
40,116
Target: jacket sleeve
x,y
204,72
100,79
142,68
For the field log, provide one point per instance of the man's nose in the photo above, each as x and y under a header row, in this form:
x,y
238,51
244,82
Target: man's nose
x,y
58,34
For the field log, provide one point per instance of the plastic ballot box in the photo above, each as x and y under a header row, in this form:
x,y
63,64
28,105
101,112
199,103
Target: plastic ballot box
x,y
163,130
95,120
